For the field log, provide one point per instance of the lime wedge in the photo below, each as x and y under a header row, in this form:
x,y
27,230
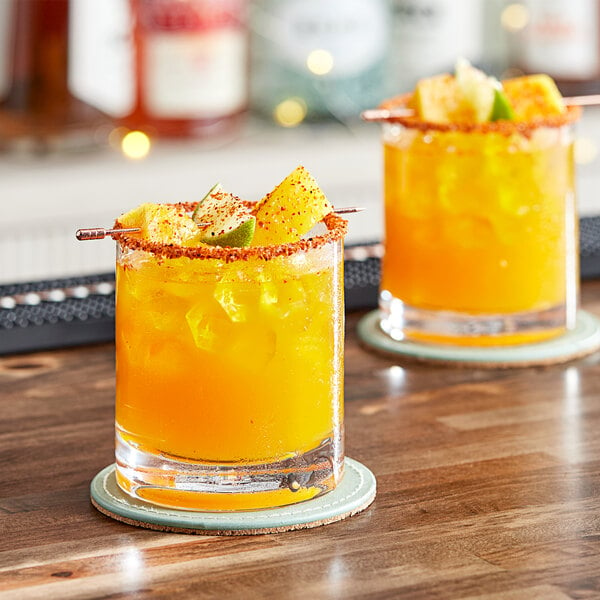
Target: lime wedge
x,y
501,109
476,89
215,189
292,209
230,220
238,236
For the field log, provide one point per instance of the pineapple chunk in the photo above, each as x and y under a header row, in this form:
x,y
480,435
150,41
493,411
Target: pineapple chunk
x,y
533,97
438,100
162,223
292,209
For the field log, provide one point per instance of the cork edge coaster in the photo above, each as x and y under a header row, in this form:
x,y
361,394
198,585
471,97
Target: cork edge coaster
x,y
582,341
354,494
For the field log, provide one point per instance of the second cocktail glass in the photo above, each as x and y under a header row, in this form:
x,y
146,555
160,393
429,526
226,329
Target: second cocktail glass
x,y
480,230
230,371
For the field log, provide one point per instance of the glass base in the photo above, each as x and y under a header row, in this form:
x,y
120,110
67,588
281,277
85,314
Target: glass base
x,y
193,485
404,322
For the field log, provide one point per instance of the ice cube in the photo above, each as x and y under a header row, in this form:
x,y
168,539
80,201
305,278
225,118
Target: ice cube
x,y
234,300
206,328
268,294
283,298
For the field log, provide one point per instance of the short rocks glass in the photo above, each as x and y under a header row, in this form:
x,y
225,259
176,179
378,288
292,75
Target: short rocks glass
x,y
230,372
480,230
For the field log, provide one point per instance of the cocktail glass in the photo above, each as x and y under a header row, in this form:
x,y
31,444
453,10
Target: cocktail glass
x,y
230,371
480,230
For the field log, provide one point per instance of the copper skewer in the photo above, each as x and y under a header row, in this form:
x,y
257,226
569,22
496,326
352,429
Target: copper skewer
x,y
590,100
99,233
383,114
347,210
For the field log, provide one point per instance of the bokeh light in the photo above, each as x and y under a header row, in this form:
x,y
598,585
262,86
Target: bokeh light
x,y
319,62
290,113
135,145
515,17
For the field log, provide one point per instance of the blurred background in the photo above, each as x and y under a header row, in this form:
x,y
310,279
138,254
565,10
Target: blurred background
x,y
105,104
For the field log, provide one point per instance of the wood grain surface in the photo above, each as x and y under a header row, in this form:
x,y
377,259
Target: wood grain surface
x,y
488,489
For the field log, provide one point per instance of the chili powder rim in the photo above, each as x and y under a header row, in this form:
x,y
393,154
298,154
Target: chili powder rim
x,y
504,127
336,230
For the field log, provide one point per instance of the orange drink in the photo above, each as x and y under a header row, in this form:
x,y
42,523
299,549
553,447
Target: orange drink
x,y
230,371
480,230
229,341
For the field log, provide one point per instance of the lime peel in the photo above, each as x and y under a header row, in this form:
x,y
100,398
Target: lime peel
x,y
501,108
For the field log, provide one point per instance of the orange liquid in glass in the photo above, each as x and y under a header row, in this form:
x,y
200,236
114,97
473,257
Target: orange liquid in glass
x,y
228,364
479,223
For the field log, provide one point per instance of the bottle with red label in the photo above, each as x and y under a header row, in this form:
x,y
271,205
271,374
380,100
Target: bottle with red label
x,y
558,37
190,66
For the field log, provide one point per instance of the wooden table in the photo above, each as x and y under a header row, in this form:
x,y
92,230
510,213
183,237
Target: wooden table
x,y
488,488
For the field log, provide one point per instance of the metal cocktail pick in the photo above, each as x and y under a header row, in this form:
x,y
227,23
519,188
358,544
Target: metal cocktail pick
x,y
99,233
348,210
383,114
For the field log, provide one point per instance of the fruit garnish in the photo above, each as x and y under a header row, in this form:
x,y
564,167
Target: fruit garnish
x,y
163,223
483,93
284,215
470,96
213,190
502,108
292,209
533,97
230,220
477,90
436,100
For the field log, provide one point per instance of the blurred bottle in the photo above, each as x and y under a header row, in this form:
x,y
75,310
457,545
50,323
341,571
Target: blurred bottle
x,y
38,111
318,59
494,52
558,37
6,9
191,66
429,35
102,68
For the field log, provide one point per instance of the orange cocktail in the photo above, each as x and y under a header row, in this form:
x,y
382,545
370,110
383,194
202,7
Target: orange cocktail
x,y
230,371
480,234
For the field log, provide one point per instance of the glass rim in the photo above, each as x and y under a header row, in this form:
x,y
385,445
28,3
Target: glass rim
x,y
336,230
571,115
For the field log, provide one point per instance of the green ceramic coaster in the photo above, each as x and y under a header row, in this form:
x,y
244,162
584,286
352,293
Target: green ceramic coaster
x,y
580,341
354,493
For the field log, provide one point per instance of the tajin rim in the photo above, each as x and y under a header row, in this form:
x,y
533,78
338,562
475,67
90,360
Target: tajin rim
x,y
336,230
571,115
